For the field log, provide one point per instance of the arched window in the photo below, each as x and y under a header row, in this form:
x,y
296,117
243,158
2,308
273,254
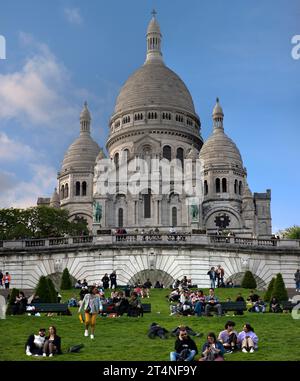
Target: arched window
x,y
126,154
62,192
224,185
205,187
147,204
174,216
167,152
120,218
179,155
235,186
218,186
240,188
116,159
84,188
77,188
66,190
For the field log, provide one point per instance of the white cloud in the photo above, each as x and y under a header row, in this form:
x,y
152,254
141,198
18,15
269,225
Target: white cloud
x,y
36,94
24,194
12,150
73,16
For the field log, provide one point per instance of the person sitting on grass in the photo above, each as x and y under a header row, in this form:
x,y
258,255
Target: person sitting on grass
x,y
213,349
252,299
212,303
122,304
239,298
228,337
52,345
185,347
35,343
247,339
259,306
19,306
135,307
275,306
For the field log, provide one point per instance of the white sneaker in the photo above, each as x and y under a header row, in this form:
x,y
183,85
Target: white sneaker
x,y
244,350
51,355
44,355
28,353
252,350
86,333
92,336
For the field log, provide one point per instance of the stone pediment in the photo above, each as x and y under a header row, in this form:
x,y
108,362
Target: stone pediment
x,y
147,140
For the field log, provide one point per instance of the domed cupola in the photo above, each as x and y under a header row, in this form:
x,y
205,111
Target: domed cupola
x,y
84,150
223,177
55,201
219,149
76,176
154,99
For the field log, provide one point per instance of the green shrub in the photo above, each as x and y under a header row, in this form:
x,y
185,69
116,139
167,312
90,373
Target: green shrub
x,y
279,290
12,297
249,280
52,291
66,283
46,290
268,294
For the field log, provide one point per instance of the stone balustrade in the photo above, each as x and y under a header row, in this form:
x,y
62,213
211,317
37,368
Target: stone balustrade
x,y
146,238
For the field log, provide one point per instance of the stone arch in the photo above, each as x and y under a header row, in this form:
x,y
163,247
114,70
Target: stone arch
x,y
56,278
223,210
154,275
238,277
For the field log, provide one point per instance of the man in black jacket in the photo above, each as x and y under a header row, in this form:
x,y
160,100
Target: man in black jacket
x,y
185,347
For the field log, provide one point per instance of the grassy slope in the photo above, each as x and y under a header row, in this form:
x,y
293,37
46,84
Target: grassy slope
x,y
126,338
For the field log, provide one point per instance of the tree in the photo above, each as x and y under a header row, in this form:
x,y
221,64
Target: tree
x,y
270,289
249,280
66,283
39,222
46,290
12,298
279,290
292,232
52,291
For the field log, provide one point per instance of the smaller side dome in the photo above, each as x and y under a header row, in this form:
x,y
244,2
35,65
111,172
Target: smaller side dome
x,y
55,200
219,149
83,151
101,155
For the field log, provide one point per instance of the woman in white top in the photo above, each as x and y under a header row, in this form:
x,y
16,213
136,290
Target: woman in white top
x,y
91,306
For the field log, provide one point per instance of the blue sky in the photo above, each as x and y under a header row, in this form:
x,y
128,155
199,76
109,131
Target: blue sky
x,y
62,52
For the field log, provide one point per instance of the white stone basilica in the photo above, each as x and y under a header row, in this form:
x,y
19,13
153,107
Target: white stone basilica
x,y
155,124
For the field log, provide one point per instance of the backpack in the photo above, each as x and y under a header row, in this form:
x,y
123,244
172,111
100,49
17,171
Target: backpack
x,y
75,348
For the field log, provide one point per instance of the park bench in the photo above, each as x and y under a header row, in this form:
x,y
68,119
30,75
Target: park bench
x,y
51,308
110,308
288,305
233,306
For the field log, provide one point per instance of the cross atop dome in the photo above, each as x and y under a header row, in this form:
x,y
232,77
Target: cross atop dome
x,y
153,13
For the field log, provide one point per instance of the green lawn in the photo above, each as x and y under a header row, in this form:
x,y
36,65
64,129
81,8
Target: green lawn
x,y
126,338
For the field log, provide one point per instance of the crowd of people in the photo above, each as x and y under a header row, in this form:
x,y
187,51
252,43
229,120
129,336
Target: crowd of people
x,y
94,300
228,341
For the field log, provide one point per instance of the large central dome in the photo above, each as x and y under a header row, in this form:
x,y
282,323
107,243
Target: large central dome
x,y
154,84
